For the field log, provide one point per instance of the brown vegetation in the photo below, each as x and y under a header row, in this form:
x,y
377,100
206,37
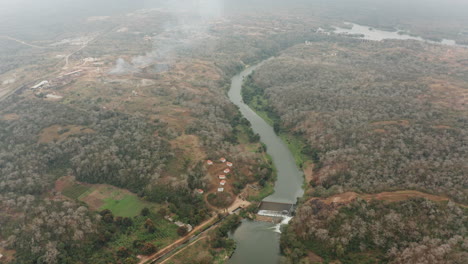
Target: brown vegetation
x,y
58,133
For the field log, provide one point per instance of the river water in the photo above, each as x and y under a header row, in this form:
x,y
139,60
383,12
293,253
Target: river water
x,y
378,35
258,242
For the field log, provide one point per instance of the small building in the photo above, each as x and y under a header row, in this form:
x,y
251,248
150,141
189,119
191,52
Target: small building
x,y
229,164
222,177
227,171
41,84
209,162
223,182
199,191
222,160
220,189
189,227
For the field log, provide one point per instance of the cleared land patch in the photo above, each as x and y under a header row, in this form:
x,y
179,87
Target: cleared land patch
x,y
396,122
101,196
10,117
58,133
75,191
121,202
128,206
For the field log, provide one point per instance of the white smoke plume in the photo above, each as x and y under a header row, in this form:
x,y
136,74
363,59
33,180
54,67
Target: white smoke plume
x,y
192,22
123,67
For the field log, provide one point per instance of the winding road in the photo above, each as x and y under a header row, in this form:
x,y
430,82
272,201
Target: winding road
x,y
22,42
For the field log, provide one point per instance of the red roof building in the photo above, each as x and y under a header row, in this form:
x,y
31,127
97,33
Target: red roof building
x,y
223,182
229,164
227,171
199,191
222,160
222,177
209,162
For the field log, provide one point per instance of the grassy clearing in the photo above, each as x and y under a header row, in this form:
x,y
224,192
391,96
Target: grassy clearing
x,y
57,132
295,145
101,196
242,136
127,206
76,191
258,104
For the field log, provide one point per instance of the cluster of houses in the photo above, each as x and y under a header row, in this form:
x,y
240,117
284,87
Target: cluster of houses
x,y
221,177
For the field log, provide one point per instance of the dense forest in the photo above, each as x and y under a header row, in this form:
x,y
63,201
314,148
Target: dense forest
x,y
412,231
108,148
369,115
372,118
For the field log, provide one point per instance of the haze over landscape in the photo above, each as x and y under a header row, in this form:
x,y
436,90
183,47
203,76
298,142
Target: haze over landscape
x,y
234,131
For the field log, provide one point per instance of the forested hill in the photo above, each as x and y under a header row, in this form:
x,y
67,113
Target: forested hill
x,y
373,116
380,116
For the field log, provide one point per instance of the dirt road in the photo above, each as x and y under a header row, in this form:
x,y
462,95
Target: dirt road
x,y
176,243
22,42
178,252
146,259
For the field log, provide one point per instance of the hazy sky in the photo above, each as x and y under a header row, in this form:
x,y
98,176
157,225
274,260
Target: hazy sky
x,y
15,15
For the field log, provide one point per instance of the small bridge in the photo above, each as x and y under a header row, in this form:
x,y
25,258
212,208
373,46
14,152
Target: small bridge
x,y
275,209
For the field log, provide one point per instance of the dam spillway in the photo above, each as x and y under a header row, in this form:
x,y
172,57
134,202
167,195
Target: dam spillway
x,y
274,209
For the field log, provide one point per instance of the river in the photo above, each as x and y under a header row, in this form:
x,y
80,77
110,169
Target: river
x,y
258,242
370,33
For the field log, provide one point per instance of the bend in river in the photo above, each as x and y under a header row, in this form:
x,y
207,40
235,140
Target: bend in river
x,y
258,242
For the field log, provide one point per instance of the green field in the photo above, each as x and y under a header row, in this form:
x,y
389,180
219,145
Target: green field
x,y
295,145
128,206
76,191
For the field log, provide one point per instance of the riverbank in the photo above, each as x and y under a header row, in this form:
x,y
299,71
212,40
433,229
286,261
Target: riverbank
x,y
287,189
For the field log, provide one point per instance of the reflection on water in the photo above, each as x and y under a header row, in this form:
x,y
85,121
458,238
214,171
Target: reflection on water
x,y
288,186
258,242
370,33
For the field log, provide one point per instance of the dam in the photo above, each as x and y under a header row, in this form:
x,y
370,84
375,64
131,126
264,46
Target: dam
x,y
273,209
